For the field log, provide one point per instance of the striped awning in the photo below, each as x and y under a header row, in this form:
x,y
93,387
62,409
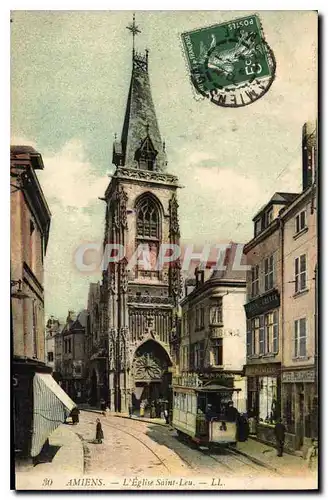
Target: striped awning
x,y
51,407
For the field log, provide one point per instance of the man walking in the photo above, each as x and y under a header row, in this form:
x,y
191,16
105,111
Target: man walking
x,y
279,431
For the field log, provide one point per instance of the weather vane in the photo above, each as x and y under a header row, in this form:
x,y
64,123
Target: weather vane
x,y
134,30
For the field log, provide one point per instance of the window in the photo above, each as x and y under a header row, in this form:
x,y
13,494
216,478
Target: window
x,y
262,346
300,221
300,273
216,314
50,356
202,317
255,281
258,226
32,243
268,273
275,338
217,349
300,338
249,337
269,217
196,355
147,219
263,334
146,154
268,400
255,328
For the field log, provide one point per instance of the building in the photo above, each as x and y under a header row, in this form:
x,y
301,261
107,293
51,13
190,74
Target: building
x,y
299,250
52,328
30,224
73,368
264,316
213,336
140,301
97,345
281,310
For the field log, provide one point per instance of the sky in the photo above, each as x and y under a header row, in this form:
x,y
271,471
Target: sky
x,y
70,75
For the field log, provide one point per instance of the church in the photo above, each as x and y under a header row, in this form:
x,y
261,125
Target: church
x,y
134,311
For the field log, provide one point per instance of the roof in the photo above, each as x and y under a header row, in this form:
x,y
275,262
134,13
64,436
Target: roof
x,y
279,198
28,151
140,117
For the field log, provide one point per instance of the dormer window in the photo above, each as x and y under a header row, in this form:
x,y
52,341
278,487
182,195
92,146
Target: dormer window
x,y
146,155
258,226
269,217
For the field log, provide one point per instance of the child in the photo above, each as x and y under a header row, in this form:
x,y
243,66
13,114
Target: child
x,y
99,432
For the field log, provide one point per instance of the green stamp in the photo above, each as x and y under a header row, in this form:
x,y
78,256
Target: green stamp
x,y
230,63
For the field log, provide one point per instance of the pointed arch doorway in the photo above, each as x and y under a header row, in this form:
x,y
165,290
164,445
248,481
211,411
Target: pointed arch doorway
x,y
151,375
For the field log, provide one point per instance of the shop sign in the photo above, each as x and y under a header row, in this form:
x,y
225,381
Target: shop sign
x,y
262,304
298,376
261,370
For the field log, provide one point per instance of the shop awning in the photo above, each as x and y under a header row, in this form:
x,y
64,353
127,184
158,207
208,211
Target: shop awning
x,y
51,407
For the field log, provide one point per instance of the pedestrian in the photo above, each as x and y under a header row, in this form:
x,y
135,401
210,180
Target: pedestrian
x,y
152,410
279,431
312,453
75,415
142,409
166,416
232,412
99,432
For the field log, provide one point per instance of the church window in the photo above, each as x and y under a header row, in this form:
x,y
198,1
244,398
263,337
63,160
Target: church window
x,y
148,220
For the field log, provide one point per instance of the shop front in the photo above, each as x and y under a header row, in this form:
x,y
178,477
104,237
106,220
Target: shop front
x,y
263,398
300,407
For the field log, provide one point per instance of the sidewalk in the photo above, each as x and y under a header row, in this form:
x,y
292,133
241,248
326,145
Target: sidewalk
x,y
65,457
266,455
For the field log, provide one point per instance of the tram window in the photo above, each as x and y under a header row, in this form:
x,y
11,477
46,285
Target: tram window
x,y
189,402
201,403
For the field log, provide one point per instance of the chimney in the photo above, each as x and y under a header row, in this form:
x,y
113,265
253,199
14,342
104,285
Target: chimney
x,y
309,153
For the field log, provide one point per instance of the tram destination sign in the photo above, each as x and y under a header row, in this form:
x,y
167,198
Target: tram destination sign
x,y
262,304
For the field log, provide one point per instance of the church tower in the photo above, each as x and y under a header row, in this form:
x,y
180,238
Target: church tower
x,y
141,212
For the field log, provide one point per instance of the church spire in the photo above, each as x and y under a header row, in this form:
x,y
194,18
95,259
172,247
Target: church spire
x,y
141,144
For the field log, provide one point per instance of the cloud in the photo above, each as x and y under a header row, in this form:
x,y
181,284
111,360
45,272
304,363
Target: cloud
x,y
70,179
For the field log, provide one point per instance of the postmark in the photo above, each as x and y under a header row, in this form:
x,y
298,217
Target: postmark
x,y
230,63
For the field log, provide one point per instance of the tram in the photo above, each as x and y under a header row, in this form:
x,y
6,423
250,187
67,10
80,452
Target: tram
x,y
201,412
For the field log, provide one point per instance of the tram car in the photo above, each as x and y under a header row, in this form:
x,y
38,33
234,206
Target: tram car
x,y
203,413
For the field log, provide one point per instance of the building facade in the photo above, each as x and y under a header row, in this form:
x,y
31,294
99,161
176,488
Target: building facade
x,y
264,316
52,329
213,332
30,224
299,362
281,310
73,368
140,299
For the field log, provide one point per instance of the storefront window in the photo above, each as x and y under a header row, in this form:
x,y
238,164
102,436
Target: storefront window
x,y
268,409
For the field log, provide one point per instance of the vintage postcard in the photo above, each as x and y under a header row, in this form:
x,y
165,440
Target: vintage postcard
x,y
164,270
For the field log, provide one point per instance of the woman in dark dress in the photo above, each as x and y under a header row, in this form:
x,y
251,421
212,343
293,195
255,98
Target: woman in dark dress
x,y
99,432
75,415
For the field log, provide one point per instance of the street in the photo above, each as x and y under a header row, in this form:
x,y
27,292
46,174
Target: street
x,y
131,447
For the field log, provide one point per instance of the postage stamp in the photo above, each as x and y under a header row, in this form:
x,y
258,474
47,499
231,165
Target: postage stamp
x,y
230,63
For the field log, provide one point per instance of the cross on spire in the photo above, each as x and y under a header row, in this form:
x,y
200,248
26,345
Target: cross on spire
x,y
133,28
